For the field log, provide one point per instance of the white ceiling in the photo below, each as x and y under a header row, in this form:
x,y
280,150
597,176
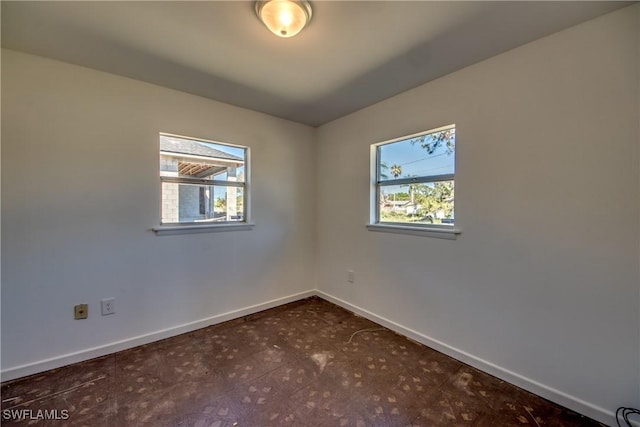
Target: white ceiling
x,y
353,54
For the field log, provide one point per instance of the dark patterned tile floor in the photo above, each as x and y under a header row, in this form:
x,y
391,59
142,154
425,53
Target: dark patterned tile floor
x,y
308,363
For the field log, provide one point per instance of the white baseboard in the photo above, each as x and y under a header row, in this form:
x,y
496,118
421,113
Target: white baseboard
x,y
572,402
103,350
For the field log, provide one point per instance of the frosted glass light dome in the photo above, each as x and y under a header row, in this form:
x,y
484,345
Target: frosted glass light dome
x,y
284,18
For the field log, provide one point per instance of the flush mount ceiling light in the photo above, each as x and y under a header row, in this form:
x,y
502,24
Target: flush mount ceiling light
x,y
284,18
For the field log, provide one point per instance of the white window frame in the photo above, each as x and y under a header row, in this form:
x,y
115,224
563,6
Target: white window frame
x,y
443,231
191,227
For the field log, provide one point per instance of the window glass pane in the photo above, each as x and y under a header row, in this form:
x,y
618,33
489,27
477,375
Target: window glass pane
x,y
425,203
231,175
188,203
427,155
189,158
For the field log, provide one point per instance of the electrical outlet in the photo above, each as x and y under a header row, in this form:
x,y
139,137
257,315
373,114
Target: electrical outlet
x,y
81,311
108,306
351,276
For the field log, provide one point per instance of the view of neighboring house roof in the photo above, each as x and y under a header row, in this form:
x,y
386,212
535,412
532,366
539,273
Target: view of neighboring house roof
x,y
188,146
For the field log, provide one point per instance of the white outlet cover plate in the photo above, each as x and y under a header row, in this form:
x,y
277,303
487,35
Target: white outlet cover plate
x,y
351,276
108,306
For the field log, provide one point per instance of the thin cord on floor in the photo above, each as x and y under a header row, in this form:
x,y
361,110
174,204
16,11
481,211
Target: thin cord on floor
x,y
531,415
624,413
364,330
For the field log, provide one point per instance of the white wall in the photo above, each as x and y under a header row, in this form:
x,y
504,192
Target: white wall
x,y
542,286
81,192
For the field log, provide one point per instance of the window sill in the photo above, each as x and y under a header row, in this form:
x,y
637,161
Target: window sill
x,y
449,233
168,230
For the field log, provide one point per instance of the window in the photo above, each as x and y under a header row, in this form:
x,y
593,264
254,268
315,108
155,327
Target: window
x,y
414,180
202,182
